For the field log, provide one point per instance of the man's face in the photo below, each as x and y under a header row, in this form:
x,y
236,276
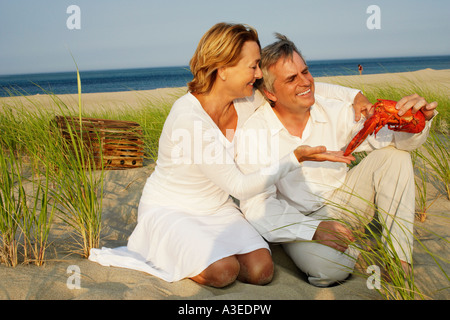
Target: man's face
x,y
293,86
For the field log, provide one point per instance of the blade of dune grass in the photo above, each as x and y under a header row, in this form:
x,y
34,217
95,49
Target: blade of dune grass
x,y
10,207
78,87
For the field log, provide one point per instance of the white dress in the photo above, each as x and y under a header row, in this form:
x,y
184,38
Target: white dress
x,y
186,217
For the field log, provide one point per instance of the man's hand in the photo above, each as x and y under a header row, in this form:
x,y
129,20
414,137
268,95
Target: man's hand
x,y
334,235
320,153
362,106
415,103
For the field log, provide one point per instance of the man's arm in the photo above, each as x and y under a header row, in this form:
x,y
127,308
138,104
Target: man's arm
x,y
361,104
415,103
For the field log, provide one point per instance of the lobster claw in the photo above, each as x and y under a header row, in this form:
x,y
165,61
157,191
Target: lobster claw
x,y
370,126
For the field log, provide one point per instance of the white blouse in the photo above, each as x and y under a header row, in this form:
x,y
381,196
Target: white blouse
x,y
195,169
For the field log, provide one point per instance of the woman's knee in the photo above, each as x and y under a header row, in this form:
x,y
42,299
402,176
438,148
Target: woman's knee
x,y
219,274
256,267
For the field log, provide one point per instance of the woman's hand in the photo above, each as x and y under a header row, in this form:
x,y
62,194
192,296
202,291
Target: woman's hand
x,y
320,153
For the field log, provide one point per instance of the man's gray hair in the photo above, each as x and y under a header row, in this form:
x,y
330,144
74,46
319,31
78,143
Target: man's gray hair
x,y
283,48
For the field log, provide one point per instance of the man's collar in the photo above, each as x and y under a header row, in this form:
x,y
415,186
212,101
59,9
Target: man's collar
x,y
275,125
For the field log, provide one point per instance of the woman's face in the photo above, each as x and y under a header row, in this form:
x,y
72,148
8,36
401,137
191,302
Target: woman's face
x,y
240,78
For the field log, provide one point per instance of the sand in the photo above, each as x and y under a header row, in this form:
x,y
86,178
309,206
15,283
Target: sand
x,y
57,279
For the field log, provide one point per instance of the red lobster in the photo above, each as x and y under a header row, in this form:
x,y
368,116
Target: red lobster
x,y
386,114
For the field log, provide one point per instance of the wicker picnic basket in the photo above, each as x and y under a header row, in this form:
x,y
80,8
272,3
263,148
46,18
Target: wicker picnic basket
x,y
118,143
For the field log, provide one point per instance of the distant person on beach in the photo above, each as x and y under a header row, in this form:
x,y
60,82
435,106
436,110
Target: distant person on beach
x,y
188,225
294,212
360,69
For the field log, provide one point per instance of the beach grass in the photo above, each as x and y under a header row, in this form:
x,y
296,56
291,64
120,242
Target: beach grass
x,y
421,183
79,189
436,155
44,174
26,207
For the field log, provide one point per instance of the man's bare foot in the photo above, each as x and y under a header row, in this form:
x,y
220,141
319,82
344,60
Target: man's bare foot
x,y
406,268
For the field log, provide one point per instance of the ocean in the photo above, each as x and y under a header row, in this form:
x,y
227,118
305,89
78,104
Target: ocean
x,y
167,77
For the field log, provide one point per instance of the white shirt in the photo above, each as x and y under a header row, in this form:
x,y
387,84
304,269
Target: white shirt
x,y
281,213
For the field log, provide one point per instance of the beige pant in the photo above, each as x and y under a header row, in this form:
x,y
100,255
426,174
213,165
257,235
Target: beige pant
x,y
384,178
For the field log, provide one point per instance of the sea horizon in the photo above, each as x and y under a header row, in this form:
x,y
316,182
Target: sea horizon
x,y
314,61
147,78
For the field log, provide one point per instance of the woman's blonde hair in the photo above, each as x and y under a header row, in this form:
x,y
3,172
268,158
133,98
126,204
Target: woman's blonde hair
x,y
219,47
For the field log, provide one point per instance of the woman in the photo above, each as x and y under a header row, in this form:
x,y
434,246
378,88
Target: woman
x,y
188,225
205,236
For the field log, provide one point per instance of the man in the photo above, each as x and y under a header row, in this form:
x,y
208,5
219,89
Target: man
x,y
314,210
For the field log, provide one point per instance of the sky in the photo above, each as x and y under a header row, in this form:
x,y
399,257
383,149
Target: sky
x,y
117,34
